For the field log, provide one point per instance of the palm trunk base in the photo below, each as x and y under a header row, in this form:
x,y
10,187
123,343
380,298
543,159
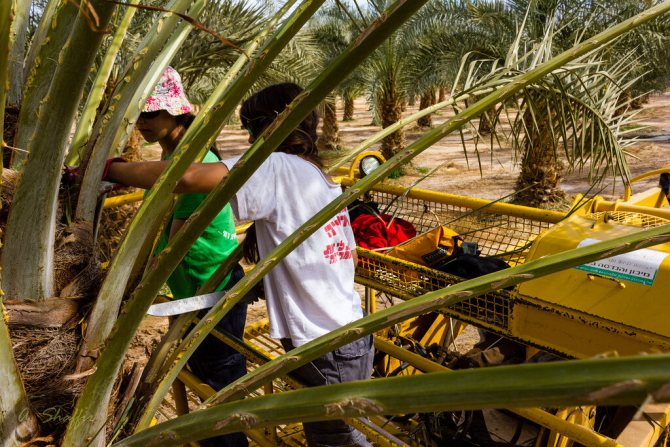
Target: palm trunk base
x,y
538,186
390,106
45,357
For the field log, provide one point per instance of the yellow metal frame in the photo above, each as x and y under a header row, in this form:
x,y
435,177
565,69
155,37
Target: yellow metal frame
x,y
646,175
133,197
483,205
532,321
600,205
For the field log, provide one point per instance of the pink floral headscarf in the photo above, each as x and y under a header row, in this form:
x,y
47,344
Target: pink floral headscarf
x,y
169,95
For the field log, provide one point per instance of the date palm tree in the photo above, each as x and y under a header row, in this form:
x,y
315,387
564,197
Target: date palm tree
x,y
29,239
333,29
502,39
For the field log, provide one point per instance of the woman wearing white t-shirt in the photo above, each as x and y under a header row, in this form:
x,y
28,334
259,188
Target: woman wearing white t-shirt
x,y
311,291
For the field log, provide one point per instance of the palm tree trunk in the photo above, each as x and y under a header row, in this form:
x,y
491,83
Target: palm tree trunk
x,y
32,220
540,167
485,123
390,106
427,100
17,423
348,108
441,94
38,80
330,131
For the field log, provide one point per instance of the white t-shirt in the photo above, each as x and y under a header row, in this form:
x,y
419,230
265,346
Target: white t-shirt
x,y
311,291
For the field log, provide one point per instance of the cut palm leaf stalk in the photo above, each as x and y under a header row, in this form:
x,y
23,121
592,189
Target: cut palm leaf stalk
x,y
272,370
17,50
18,422
29,250
613,381
96,94
92,404
40,35
271,138
113,129
106,308
6,17
40,75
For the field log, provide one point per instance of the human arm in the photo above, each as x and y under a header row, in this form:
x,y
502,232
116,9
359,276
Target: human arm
x,y
198,178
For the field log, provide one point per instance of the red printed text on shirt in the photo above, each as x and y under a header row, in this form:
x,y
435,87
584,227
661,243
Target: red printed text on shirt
x,y
341,220
337,252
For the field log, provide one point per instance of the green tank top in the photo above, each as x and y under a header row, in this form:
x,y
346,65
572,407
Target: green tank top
x,y
207,253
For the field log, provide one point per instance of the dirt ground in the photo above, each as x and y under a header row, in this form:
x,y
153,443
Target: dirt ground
x,y
455,174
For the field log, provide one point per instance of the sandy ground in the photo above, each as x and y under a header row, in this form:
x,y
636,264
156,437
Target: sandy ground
x,y
459,174
456,173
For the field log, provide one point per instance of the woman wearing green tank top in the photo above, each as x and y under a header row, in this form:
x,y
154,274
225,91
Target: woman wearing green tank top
x,y
165,118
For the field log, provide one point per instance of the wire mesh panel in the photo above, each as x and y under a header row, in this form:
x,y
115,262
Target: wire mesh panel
x,y
501,234
628,218
407,280
504,235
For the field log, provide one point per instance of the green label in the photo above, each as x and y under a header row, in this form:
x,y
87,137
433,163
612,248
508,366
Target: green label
x,y
639,266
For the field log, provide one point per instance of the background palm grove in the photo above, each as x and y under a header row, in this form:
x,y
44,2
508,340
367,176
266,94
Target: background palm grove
x,y
74,75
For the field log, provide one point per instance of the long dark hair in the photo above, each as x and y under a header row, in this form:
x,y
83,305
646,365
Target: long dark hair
x,y
261,108
256,113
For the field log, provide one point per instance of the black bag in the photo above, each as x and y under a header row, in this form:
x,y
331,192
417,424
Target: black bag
x,y
468,266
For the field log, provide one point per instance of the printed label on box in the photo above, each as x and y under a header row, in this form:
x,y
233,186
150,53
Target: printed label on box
x,y
639,266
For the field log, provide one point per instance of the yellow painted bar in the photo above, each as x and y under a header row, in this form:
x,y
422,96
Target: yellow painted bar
x,y
196,385
243,228
180,399
204,391
124,199
574,432
139,196
469,202
627,190
604,205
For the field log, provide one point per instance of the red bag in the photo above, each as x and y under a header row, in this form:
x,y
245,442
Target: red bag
x,y
381,231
